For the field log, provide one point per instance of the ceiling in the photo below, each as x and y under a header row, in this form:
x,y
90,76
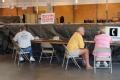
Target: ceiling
x,y
27,3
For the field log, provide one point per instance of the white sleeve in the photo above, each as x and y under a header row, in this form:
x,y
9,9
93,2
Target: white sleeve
x,y
31,37
16,37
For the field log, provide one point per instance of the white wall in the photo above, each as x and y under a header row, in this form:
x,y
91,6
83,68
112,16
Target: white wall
x,y
69,2
20,3
99,1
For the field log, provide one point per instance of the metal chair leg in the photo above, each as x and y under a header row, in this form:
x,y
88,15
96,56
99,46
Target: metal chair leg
x,y
40,57
111,66
26,57
51,58
75,62
15,59
94,65
57,57
66,64
13,53
18,63
63,61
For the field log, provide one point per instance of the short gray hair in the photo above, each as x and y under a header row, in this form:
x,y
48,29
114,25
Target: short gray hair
x,y
101,31
79,28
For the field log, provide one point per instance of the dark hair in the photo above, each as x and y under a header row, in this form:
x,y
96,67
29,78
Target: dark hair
x,y
23,28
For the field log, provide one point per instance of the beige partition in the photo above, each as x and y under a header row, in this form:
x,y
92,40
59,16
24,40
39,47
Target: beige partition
x,y
31,18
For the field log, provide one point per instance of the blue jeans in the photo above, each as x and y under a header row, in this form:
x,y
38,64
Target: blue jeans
x,y
28,49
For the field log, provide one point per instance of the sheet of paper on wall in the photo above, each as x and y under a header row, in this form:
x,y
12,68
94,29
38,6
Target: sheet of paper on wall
x,y
114,32
48,18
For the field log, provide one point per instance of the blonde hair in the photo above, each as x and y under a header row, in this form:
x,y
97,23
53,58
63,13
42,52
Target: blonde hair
x,y
101,30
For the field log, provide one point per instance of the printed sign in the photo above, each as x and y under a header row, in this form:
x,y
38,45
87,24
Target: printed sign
x,y
114,32
47,18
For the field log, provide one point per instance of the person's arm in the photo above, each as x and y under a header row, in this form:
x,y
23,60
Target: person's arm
x,y
80,42
31,37
15,38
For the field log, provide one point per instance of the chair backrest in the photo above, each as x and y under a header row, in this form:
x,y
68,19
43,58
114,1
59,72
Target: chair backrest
x,y
67,55
15,45
46,45
18,49
66,50
24,52
102,52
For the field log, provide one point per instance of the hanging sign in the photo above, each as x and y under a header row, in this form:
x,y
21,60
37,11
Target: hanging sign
x,y
47,18
114,32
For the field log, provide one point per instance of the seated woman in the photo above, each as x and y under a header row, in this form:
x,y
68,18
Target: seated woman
x,y
102,46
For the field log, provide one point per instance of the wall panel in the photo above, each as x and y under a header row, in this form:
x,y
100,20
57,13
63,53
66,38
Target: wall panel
x,y
66,11
77,14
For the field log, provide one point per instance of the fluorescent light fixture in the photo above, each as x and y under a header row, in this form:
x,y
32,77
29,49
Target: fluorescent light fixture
x,y
3,1
24,8
76,1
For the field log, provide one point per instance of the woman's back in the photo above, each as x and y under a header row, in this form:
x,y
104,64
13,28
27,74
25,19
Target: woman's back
x,y
102,40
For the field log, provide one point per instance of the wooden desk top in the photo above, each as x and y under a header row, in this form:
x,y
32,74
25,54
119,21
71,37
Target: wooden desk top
x,y
55,41
51,41
66,41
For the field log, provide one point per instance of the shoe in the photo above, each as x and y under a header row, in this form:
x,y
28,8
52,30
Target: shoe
x,y
105,64
98,64
32,59
21,59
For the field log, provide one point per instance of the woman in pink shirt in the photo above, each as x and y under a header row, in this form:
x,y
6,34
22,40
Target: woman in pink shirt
x,y
102,46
